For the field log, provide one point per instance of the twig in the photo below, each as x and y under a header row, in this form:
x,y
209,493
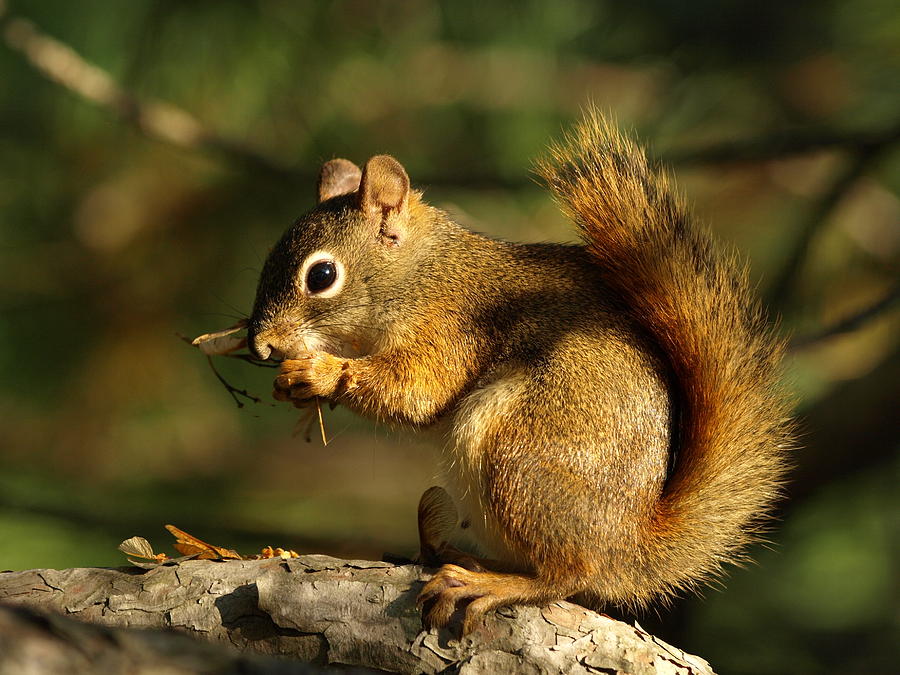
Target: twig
x,y
234,391
851,322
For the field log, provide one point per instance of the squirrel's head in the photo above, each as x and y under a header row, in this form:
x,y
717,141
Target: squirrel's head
x,y
331,280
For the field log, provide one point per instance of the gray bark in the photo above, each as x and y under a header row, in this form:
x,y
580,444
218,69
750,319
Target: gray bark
x,y
325,611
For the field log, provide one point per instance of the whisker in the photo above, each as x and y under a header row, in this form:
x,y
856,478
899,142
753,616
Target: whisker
x,y
320,326
242,315
233,317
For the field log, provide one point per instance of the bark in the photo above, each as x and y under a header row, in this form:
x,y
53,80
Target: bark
x,y
34,643
325,611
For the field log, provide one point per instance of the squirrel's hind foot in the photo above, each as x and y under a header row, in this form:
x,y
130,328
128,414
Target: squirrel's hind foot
x,y
485,591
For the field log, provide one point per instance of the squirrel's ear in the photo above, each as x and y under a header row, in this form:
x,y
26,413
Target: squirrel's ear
x,y
384,194
337,177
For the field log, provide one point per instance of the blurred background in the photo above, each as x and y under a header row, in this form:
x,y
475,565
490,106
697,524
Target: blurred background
x,y
152,151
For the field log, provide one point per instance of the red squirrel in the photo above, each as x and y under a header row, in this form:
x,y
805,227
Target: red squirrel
x,y
613,423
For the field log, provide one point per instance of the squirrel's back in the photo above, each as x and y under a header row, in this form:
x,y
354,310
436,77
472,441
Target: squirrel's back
x,y
733,429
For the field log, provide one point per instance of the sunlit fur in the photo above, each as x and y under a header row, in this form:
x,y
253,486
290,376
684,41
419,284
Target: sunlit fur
x,y
611,417
734,431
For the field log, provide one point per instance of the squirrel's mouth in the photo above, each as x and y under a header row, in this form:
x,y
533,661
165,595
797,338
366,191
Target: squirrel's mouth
x,y
282,340
297,344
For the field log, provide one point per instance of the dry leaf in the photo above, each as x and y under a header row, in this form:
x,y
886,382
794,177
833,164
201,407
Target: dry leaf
x,y
222,342
188,544
140,548
278,552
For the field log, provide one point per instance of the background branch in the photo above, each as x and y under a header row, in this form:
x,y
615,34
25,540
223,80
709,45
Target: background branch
x,y
156,119
852,322
170,124
781,292
785,144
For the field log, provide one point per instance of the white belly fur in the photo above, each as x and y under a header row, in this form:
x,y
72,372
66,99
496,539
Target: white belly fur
x,y
468,440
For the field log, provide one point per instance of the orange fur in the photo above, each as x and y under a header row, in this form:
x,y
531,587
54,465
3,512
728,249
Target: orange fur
x,y
695,302
611,414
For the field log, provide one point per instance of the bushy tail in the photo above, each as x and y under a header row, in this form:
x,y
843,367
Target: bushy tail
x,y
695,301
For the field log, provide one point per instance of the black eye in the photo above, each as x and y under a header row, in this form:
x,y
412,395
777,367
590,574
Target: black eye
x,y
320,276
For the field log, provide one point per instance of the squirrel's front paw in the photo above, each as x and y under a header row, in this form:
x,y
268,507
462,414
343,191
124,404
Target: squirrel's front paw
x,y
314,374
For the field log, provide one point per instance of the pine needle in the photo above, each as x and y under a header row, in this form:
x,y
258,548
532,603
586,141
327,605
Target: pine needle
x,y
321,421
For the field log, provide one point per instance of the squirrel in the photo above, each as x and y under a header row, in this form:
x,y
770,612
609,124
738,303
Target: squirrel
x,y
614,428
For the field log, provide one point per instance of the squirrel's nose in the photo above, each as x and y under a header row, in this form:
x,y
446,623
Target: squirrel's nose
x,y
260,342
260,347
270,342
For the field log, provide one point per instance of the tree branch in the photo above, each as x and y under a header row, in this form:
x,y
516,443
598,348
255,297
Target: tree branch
x,y
328,611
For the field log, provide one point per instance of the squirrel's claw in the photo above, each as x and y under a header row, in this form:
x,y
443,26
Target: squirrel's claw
x,y
453,584
485,591
439,597
296,398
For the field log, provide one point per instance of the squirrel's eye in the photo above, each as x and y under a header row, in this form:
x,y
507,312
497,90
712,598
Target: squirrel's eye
x,y
321,276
